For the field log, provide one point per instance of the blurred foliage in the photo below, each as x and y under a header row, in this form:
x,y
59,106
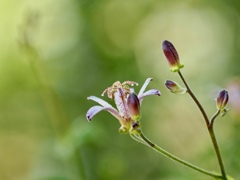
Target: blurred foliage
x,y
56,53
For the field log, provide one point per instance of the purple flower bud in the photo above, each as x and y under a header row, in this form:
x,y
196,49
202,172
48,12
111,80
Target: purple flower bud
x,y
175,88
222,99
171,56
133,106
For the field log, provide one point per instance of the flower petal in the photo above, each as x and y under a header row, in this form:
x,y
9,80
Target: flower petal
x,y
120,101
100,101
96,109
93,111
149,93
144,87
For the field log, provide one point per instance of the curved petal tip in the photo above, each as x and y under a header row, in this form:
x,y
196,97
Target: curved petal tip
x,y
93,111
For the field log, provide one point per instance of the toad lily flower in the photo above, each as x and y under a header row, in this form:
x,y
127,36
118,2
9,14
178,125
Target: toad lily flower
x,y
127,103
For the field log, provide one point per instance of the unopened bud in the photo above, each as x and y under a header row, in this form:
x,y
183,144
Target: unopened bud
x,y
171,56
175,88
133,106
222,99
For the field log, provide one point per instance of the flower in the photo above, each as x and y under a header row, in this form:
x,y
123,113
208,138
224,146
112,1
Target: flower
x,y
171,56
175,87
222,99
127,103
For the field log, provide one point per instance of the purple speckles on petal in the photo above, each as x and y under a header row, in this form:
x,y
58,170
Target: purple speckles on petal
x,y
127,102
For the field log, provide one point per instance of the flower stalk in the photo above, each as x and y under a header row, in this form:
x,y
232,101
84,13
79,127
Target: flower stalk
x,y
173,60
209,126
144,140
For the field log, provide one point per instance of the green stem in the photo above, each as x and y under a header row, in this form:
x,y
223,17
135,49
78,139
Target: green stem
x,y
215,144
138,139
213,119
209,127
174,158
195,99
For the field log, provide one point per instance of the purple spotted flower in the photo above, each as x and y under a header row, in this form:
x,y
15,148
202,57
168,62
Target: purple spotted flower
x,y
127,103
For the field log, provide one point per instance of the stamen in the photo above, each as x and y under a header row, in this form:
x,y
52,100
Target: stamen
x,y
124,86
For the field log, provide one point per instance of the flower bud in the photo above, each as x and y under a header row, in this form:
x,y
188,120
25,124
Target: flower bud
x,y
171,56
175,88
133,106
222,99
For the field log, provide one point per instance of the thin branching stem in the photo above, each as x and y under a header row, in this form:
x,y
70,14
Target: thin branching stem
x,y
213,118
209,126
195,99
149,143
215,144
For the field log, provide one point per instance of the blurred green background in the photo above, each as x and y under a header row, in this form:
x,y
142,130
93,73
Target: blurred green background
x,y
55,53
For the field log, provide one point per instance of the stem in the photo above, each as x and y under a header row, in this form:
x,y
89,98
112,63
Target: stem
x,y
213,119
138,139
209,127
172,157
215,144
195,99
